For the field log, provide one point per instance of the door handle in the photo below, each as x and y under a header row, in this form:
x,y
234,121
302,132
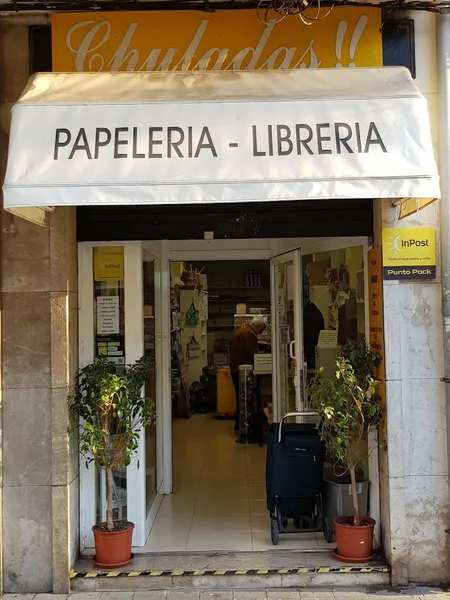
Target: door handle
x,y
304,375
291,349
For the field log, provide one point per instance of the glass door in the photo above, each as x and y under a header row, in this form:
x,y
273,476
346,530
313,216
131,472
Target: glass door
x,y
152,351
121,317
287,342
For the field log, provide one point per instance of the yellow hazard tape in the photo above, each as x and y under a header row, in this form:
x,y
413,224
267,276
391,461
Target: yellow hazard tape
x,y
227,572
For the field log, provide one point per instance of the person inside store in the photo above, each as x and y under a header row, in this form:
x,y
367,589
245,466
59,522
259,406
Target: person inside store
x,y
313,323
244,346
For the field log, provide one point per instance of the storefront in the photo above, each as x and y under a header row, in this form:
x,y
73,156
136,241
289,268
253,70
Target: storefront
x,y
347,147
338,140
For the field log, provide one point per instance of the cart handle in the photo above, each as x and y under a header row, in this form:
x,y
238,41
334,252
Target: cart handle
x,y
294,414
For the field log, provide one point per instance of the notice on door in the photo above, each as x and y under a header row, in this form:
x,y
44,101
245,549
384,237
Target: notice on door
x,y
108,315
409,253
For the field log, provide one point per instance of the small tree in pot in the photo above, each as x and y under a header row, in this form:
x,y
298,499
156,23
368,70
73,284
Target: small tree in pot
x,y
111,409
349,407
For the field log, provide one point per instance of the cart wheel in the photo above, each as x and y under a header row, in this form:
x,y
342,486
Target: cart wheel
x,y
274,532
328,530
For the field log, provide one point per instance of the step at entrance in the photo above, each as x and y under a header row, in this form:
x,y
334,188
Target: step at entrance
x,y
243,570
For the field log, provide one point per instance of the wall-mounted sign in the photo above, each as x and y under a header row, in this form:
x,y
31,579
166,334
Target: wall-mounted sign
x,y
409,253
108,315
112,347
108,263
376,323
231,40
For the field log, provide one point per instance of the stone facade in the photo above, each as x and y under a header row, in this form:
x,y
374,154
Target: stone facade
x,y
414,470
39,360
39,485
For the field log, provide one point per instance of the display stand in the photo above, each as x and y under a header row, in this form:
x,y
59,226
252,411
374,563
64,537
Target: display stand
x,y
246,405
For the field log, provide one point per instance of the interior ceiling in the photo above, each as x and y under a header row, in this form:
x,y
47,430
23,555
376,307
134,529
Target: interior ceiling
x,y
11,6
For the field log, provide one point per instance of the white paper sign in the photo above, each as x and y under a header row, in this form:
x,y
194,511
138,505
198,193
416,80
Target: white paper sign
x,y
108,315
328,338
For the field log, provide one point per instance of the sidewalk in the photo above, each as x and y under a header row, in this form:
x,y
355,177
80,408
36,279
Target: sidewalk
x,y
413,593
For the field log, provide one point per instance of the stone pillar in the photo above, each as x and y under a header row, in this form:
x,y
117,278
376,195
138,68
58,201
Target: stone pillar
x,y
39,359
64,363
414,489
414,470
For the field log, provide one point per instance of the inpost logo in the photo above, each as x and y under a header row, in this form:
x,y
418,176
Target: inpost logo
x,y
409,253
397,243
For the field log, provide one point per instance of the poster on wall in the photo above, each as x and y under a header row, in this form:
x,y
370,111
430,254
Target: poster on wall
x,y
409,253
376,323
231,40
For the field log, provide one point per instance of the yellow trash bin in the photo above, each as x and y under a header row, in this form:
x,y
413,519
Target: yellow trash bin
x,y
226,397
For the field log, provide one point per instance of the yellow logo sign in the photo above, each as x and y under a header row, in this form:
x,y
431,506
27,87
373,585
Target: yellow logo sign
x,y
224,40
108,263
409,253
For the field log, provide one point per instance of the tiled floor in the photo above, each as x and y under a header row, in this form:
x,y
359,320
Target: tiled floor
x,y
219,495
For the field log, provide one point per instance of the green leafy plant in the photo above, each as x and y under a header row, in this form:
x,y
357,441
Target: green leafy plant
x,y
111,409
349,407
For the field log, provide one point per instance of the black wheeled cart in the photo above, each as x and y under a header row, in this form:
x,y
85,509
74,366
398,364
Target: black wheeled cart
x,y
294,477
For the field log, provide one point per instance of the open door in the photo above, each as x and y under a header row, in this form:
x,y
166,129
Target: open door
x,y
287,341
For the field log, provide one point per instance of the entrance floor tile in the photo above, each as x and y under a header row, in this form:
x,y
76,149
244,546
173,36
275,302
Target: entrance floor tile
x,y
219,499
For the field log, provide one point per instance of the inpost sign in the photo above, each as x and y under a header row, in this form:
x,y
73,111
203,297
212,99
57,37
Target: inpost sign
x,y
409,253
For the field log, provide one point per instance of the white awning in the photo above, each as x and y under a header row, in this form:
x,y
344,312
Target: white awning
x,y
166,138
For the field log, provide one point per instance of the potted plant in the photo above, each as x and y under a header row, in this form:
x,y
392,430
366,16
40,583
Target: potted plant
x,y
349,409
111,409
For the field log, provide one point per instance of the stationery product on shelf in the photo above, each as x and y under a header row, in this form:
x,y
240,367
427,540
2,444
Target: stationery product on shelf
x,y
193,347
241,309
192,315
253,279
193,333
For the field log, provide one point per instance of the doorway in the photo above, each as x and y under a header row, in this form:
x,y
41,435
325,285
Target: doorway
x,y
148,327
218,499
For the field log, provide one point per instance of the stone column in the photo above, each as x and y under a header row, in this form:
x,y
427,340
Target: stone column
x,y
414,469
39,358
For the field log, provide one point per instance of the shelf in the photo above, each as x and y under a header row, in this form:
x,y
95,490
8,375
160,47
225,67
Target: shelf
x,y
232,300
238,287
220,326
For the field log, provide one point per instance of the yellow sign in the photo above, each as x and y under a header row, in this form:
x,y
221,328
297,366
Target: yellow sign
x,y
376,323
224,40
409,253
412,205
108,263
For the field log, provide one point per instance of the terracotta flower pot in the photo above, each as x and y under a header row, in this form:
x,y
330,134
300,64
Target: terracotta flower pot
x,y
112,548
354,544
